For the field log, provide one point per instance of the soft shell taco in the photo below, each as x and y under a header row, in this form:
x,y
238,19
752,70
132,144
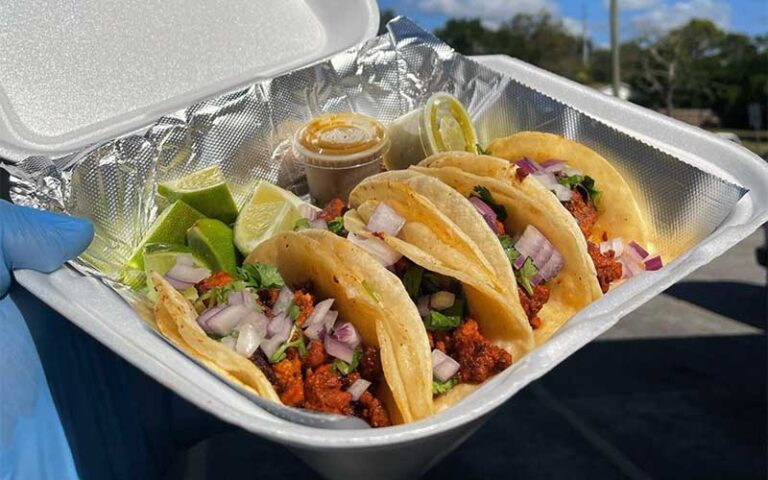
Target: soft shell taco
x,y
596,195
298,327
555,277
474,325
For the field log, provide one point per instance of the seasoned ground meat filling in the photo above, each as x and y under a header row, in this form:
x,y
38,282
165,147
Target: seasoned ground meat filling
x,y
310,381
608,268
305,303
335,208
290,385
324,391
583,211
370,365
532,305
521,173
478,358
218,279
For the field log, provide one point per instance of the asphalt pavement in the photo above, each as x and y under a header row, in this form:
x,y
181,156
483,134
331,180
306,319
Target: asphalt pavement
x,y
676,390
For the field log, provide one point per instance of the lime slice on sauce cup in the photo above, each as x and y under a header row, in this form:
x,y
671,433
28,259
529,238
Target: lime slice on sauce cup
x,y
450,126
161,257
213,241
271,210
205,190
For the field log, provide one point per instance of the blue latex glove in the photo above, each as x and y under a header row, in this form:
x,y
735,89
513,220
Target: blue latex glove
x,y
69,407
32,441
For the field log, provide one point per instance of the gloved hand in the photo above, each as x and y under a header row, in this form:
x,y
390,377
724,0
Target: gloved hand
x,y
119,423
32,441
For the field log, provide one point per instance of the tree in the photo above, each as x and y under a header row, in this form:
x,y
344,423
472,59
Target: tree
x,y
680,61
539,39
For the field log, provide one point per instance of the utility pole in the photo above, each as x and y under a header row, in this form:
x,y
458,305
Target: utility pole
x,y
615,73
584,46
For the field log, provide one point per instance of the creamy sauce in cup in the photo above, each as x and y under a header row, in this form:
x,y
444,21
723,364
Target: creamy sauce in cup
x,y
339,150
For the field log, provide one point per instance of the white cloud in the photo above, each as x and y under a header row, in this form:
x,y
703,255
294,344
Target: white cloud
x,y
491,12
665,17
573,26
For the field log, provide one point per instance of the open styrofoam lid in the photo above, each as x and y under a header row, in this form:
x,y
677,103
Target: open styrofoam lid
x,y
74,73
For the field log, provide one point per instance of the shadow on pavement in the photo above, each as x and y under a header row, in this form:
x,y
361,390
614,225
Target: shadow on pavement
x,y
743,302
666,409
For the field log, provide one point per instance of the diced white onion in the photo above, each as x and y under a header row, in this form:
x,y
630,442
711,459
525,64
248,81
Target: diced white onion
x,y
358,388
229,342
283,301
423,305
442,300
318,312
443,366
385,220
318,224
377,248
248,339
227,319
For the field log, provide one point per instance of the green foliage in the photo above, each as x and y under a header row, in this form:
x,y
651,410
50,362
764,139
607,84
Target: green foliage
x,y
346,368
697,65
260,275
439,321
336,226
438,387
485,195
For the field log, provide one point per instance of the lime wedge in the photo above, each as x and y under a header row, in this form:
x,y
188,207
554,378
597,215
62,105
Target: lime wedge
x,y
170,227
205,190
212,241
271,210
161,257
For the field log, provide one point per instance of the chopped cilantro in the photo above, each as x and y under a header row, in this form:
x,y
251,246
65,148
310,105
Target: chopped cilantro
x,y
430,282
584,183
261,275
509,248
301,224
485,195
346,368
280,354
412,280
481,150
439,388
336,226
439,321
219,295
455,310
526,274
294,311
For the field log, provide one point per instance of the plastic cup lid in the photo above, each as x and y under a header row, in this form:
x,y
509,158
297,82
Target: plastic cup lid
x,y
78,73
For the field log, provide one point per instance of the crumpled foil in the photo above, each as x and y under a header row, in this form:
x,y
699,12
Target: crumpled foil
x,y
245,132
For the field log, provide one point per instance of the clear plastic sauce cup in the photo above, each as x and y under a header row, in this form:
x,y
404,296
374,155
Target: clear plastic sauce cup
x,y
441,125
339,150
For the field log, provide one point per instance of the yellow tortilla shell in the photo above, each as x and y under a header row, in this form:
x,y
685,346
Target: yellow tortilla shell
x,y
501,319
619,214
303,257
528,203
177,320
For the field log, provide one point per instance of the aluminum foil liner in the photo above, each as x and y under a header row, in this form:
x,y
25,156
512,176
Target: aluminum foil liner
x,y
245,132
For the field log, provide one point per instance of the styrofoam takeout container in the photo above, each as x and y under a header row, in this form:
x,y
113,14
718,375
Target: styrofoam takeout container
x,y
391,452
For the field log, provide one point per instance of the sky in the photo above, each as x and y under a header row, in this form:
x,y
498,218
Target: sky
x,y
636,16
